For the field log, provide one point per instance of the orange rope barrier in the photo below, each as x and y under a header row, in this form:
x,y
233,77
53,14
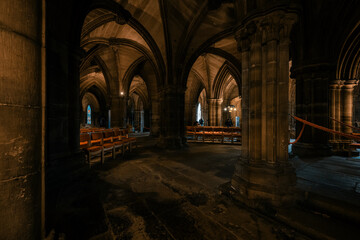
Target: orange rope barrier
x,y
344,124
300,134
326,129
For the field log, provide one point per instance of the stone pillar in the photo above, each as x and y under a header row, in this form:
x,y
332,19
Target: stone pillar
x,y
146,118
193,113
118,111
348,99
139,120
341,109
155,117
172,128
263,176
142,121
292,106
334,90
333,104
190,113
74,97
346,117
22,97
338,107
312,104
204,112
215,111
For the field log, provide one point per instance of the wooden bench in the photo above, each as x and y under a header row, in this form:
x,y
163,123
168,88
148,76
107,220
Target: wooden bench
x,y
91,148
119,145
118,134
107,143
96,142
191,132
130,140
353,146
221,134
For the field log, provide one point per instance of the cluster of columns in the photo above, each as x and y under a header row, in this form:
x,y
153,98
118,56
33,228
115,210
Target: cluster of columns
x,y
139,119
263,174
342,109
119,115
215,111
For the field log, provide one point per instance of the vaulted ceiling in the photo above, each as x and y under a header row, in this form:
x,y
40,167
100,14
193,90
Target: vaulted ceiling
x,y
179,40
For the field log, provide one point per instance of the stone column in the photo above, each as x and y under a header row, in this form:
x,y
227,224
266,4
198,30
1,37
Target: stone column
x,y
263,176
142,121
347,111
146,118
312,105
74,97
172,128
190,113
22,97
341,109
193,114
155,117
348,99
334,112
215,111
118,111
333,104
139,120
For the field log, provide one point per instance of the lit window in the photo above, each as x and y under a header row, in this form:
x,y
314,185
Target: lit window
x,y
88,115
198,112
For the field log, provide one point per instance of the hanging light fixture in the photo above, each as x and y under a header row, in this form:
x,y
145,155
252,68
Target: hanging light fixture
x,y
230,108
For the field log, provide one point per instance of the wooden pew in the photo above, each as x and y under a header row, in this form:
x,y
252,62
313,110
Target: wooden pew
x,y
191,132
353,146
119,134
90,149
221,134
107,143
118,142
131,140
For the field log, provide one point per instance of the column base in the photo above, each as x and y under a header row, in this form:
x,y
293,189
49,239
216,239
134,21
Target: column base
x,y
340,147
170,142
155,131
311,150
264,186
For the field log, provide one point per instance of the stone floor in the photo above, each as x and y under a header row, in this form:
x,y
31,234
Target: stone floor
x,y
175,194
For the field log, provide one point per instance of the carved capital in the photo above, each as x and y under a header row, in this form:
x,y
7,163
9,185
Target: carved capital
x,y
277,26
243,35
286,23
214,101
350,84
270,29
335,84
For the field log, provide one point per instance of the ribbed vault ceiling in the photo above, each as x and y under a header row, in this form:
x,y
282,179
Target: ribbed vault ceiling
x,y
165,33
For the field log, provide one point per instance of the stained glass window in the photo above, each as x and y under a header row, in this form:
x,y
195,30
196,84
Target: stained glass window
x,y
198,113
88,115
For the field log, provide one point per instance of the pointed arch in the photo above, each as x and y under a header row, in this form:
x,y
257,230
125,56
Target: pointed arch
x,y
122,16
222,77
348,66
132,71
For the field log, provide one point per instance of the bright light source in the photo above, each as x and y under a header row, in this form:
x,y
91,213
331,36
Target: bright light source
x,y
121,93
225,109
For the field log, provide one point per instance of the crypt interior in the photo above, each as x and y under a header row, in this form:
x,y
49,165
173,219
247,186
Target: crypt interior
x,y
179,119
